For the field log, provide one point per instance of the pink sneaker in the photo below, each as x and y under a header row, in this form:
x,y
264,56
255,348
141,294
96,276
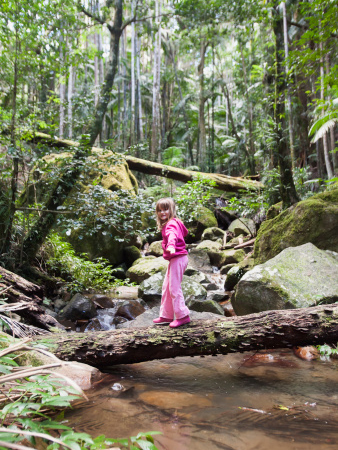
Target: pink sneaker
x,y
161,320
178,322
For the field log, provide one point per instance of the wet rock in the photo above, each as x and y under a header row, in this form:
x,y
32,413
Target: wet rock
x,y
297,277
225,257
59,304
150,290
243,226
146,267
228,309
118,320
102,301
94,325
155,248
205,306
131,254
79,308
307,353
211,287
218,296
119,272
225,269
174,400
212,234
130,309
313,220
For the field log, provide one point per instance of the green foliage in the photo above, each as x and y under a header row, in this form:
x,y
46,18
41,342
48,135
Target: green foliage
x,y
247,205
192,194
84,274
26,413
327,350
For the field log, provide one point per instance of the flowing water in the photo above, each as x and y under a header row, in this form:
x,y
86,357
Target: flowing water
x,y
266,401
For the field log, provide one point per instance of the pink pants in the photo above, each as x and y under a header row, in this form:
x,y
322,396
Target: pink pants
x,y
172,302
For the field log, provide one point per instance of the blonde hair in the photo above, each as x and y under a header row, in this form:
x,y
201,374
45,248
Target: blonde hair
x,y
165,203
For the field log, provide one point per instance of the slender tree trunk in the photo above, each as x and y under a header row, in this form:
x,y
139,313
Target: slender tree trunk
x,y
140,112
156,121
70,109
269,329
286,55
288,190
124,73
251,152
201,118
62,91
133,86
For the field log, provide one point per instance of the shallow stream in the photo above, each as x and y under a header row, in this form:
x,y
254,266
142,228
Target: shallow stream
x,y
266,401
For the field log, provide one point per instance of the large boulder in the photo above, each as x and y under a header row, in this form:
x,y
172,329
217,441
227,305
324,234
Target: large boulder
x,y
209,245
79,308
297,277
202,218
224,257
212,234
243,226
150,290
313,220
155,248
199,260
144,268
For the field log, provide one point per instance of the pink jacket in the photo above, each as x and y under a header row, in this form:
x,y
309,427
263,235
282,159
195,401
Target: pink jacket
x,y
173,233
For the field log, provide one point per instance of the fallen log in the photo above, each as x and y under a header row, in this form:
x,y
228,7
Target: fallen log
x,y
269,329
223,182
16,289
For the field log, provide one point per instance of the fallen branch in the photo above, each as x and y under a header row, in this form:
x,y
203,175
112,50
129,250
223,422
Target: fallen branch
x,y
269,329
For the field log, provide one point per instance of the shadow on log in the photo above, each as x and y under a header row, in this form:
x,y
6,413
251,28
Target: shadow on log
x,y
223,182
269,329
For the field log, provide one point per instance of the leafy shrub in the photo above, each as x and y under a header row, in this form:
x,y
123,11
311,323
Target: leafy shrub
x,y
84,274
193,193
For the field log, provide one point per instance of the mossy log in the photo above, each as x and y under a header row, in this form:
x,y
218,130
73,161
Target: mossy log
x,y
270,329
16,289
223,182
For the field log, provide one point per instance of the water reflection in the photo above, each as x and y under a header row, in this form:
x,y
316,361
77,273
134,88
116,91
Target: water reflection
x,y
248,402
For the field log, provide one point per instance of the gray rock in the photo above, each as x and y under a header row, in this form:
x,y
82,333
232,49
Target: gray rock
x,y
150,290
131,254
243,226
80,307
225,269
146,267
211,287
146,319
102,301
233,277
297,277
119,272
209,245
199,260
212,234
205,306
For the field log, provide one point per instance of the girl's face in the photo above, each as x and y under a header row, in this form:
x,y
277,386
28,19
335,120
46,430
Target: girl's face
x,y
163,214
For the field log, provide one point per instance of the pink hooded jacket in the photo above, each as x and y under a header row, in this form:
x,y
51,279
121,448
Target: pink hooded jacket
x,y
173,233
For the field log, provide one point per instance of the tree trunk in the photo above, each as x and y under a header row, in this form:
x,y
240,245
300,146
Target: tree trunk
x,y
223,182
269,329
155,134
288,190
201,119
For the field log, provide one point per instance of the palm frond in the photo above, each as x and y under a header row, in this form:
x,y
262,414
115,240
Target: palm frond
x,y
19,329
326,126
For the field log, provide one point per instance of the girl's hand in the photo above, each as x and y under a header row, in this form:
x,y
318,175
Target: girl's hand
x,y
171,249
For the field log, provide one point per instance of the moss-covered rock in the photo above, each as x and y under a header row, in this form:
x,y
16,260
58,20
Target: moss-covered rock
x,y
274,210
155,248
131,254
313,220
225,257
297,277
146,267
209,245
243,226
199,260
202,218
212,234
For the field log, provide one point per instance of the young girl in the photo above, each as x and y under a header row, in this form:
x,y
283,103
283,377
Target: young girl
x,y
173,234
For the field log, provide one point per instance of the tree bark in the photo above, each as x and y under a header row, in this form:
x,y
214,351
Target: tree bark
x,y
201,119
16,289
269,329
